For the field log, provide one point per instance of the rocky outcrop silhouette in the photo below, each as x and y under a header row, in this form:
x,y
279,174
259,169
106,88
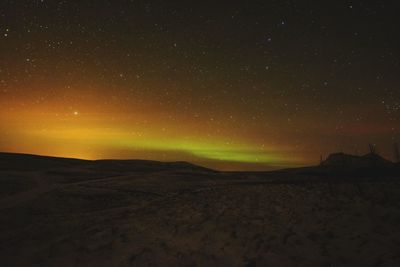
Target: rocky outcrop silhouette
x,y
342,160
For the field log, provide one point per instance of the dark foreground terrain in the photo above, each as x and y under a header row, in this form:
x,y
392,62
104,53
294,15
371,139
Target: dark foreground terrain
x,y
64,212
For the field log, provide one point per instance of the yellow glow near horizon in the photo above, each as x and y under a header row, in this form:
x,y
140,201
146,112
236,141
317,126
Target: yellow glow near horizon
x,y
112,135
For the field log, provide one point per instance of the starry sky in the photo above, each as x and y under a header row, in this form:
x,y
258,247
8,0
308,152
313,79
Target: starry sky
x,y
232,85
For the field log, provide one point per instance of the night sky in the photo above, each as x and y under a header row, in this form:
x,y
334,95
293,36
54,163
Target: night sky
x,y
233,85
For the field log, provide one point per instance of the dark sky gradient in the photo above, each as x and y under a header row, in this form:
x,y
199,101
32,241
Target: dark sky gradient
x,y
238,85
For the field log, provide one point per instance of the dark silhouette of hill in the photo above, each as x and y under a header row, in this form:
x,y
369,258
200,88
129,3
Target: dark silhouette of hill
x,y
343,166
346,161
21,162
16,161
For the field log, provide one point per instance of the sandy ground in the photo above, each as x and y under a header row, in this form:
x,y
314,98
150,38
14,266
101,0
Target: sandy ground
x,y
89,217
